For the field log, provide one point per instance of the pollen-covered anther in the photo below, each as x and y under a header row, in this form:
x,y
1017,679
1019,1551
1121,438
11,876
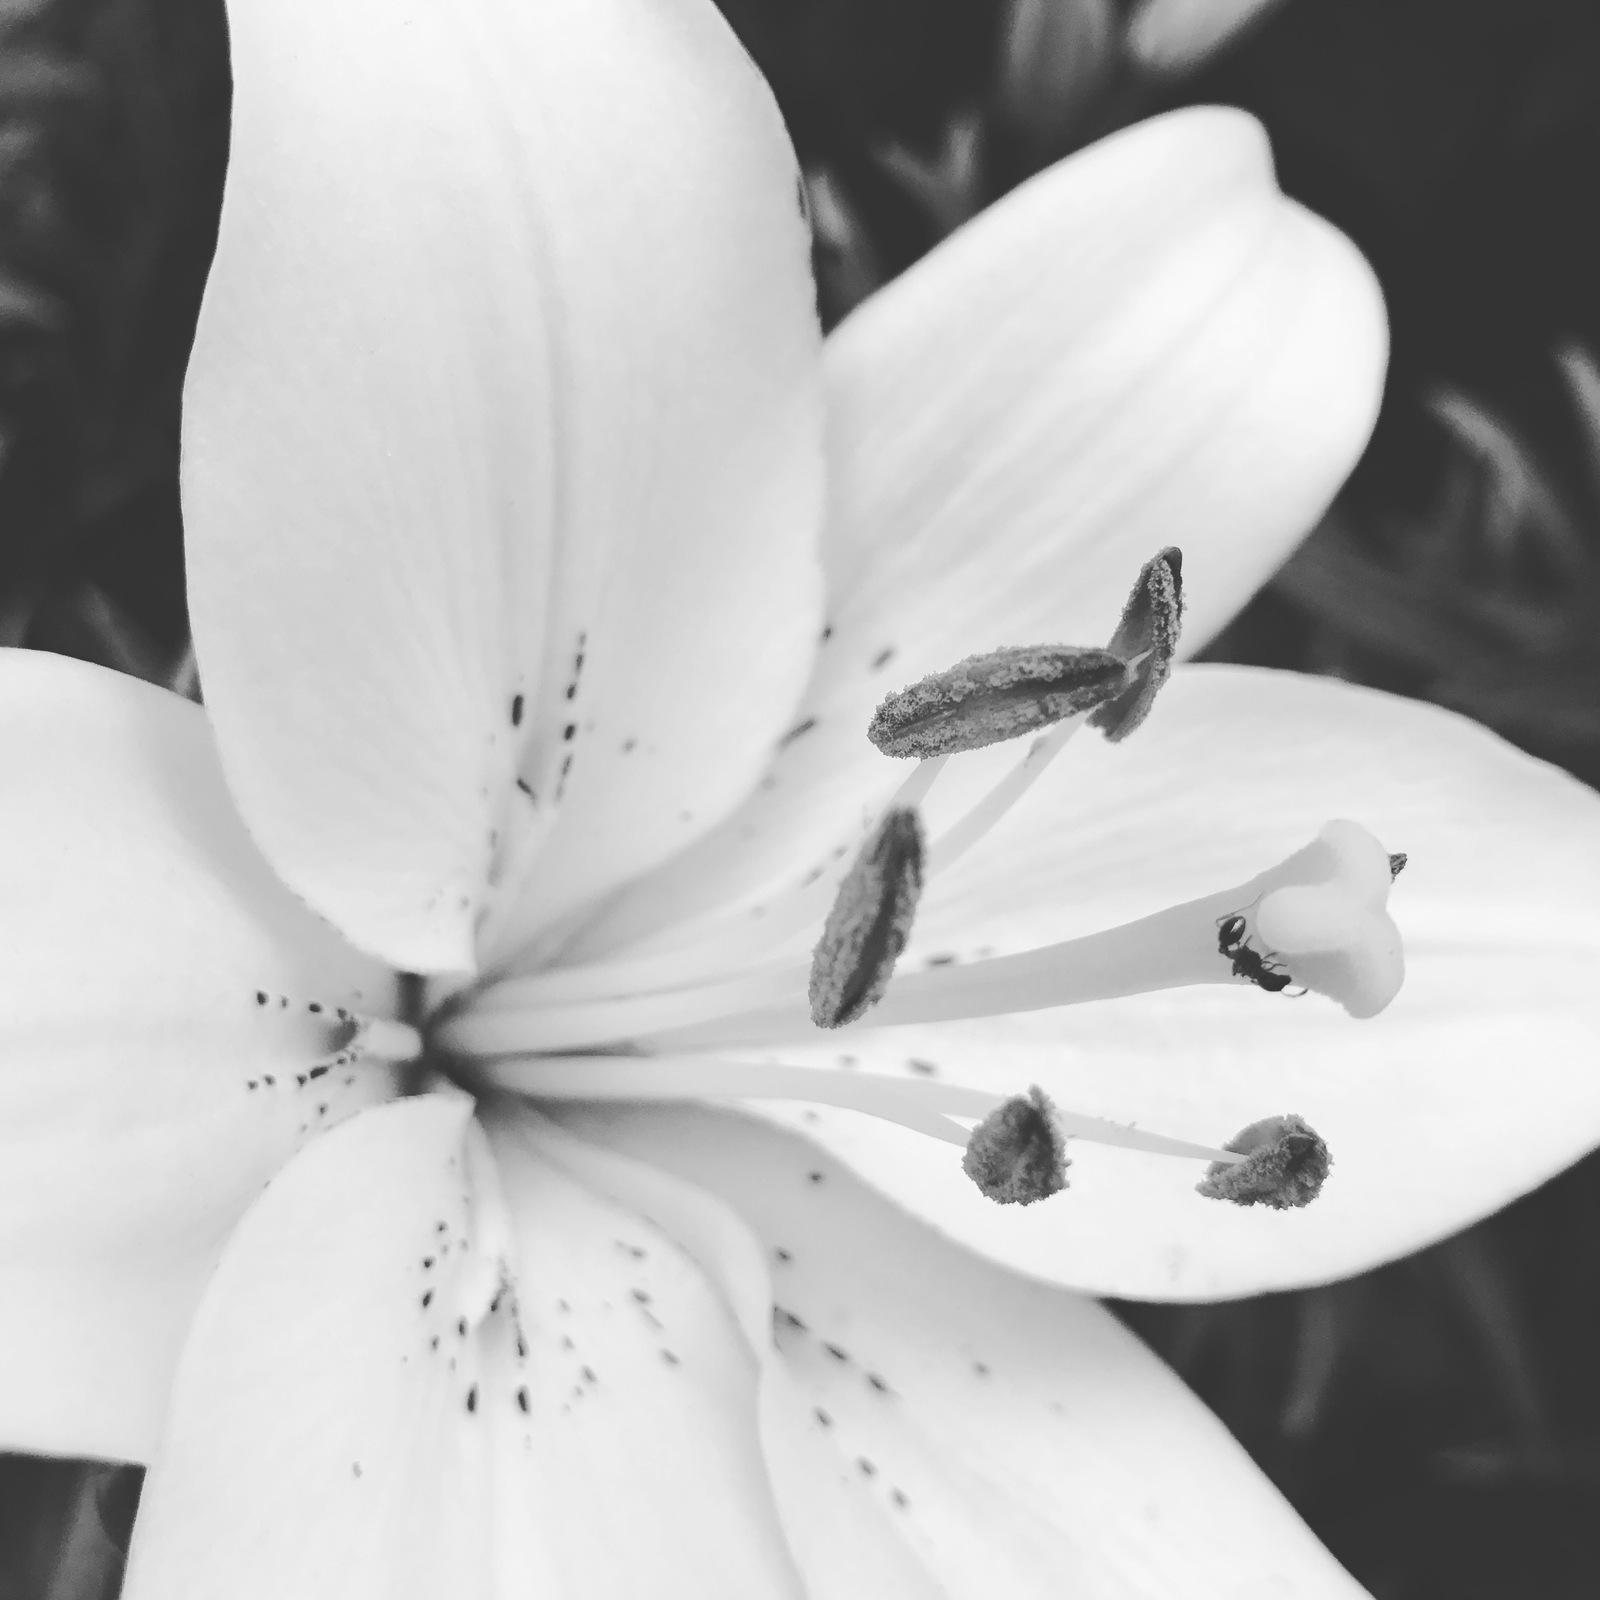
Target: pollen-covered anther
x,y
987,699
1323,917
1285,1165
870,922
1147,639
1018,1153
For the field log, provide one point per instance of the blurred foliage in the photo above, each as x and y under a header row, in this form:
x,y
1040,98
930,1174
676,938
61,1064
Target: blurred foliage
x,y
113,140
1438,1421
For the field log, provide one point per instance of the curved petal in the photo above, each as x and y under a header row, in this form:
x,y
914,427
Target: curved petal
x,y
1019,1439
1467,1091
442,1368
842,1544
146,1091
502,451
1145,345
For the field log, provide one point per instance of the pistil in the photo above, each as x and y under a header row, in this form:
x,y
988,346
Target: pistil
x,y
1320,915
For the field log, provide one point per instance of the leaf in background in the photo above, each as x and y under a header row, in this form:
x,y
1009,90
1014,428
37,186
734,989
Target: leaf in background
x,y
843,256
1333,578
22,306
949,185
1583,384
1175,36
1056,59
1523,507
94,1543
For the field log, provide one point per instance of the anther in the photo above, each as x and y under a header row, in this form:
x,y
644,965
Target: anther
x,y
869,924
1397,864
1018,1153
987,699
1146,638
1285,1165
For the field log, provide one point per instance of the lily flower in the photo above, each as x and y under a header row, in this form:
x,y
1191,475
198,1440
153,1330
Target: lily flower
x,y
416,1139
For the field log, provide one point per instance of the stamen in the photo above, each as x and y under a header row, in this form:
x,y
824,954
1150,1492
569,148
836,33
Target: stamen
x,y
672,1078
962,835
1147,638
926,1107
1018,1153
869,924
1285,1165
1397,864
987,699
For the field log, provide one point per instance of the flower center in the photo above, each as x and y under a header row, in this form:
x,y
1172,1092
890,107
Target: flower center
x,y
645,1029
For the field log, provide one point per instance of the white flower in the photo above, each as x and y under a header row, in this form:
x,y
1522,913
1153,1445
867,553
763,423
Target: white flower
x,y
510,551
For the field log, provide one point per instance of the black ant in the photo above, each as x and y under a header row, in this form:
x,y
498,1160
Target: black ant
x,y
1263,971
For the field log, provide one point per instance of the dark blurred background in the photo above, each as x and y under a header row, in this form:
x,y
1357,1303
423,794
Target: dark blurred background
x,y
1438,1421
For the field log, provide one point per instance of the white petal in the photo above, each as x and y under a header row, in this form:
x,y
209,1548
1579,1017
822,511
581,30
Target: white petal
x,y
650,1472
1020,1441
428,1369
145,1092
1473,1087
1146,345
319,1442
506,385
841,1544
